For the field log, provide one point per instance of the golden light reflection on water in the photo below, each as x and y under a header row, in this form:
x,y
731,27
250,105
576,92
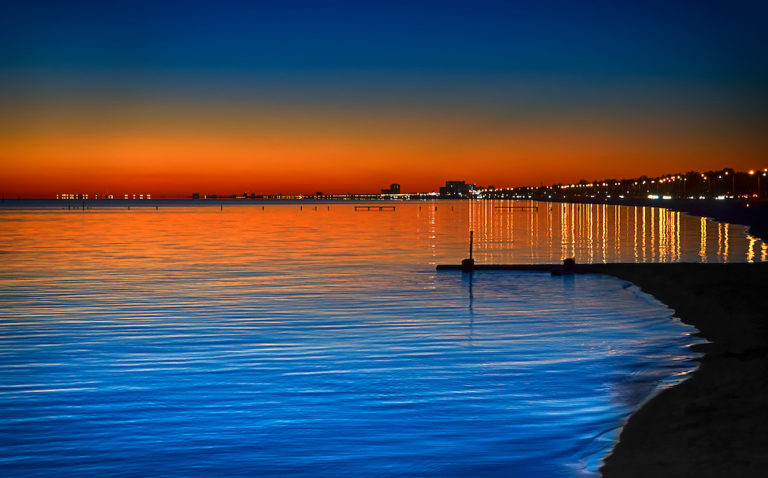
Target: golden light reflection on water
x,y
679,247
652,227
602,233
643,236
616,232
634,230
722,241
751,249
663,234
590,238
415,233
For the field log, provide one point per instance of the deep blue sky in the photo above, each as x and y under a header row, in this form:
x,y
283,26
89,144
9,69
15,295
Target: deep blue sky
x,y
717,42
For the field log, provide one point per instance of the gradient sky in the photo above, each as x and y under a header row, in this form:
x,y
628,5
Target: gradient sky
x,y
178,97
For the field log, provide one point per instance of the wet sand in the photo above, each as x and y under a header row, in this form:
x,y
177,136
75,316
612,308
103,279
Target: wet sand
x,y
715,423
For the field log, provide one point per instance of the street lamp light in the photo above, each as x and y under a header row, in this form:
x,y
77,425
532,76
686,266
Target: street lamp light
x,y
733,183
758,182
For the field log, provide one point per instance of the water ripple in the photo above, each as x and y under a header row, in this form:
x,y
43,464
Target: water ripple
x,y
274,344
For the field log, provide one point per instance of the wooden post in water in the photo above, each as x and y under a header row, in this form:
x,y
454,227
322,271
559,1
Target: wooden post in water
x,y
468,265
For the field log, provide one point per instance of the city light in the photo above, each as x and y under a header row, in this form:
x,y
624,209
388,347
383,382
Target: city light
x,y
692,185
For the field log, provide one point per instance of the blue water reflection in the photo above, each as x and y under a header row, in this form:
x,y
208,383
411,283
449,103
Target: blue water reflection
x,y
189,343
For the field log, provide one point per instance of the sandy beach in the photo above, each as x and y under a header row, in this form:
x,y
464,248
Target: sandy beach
x,y
715,423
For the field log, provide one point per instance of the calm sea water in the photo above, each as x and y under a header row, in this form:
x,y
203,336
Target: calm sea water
x,y
314,340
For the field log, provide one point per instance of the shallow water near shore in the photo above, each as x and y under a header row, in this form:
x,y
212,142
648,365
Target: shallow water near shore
x,y
314,340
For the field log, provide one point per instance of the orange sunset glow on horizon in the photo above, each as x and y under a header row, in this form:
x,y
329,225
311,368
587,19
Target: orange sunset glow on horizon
x,y
271,99
174,151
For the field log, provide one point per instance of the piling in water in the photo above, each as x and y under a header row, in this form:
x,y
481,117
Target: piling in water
x,y
468,265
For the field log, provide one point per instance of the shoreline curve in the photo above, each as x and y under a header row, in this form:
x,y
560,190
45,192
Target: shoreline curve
x,y
715,423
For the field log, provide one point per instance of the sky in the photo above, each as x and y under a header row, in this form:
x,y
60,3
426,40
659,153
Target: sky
x,y
171,98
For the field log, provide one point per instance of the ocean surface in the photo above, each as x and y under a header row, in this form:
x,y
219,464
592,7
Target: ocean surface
x,y
279,339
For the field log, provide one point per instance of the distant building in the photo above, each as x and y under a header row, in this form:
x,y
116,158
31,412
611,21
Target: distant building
x,y
455,190
394,188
